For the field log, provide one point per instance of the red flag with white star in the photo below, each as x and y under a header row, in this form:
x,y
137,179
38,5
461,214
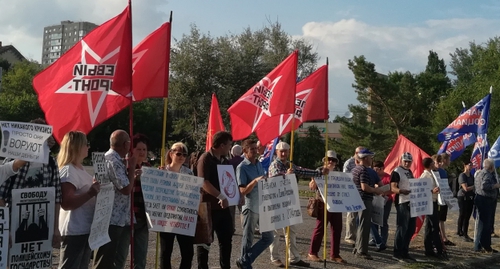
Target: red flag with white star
x,y
311,103
272,96
150,62
79,90
215,123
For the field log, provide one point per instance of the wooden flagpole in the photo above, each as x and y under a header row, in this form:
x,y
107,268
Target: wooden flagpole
x,y
325,212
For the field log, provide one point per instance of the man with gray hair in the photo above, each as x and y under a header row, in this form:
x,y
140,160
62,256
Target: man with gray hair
x,y
486,187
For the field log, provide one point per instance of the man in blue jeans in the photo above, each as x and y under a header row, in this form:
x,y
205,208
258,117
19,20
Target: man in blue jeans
x,y
248,173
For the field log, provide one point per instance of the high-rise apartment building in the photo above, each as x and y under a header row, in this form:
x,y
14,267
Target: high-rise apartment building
x,y
57,39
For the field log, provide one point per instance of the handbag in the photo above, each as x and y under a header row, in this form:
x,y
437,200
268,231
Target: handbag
x,y
203,234
313,207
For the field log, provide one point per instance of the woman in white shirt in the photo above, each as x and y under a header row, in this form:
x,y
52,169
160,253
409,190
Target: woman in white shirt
x,y
78,201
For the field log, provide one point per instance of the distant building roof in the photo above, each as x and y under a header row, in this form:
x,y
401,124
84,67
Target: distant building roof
x,y
13,52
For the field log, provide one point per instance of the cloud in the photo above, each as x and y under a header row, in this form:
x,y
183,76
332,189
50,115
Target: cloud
x,y
22,21
390,48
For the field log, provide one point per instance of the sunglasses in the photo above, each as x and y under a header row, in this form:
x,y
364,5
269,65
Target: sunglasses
x,y
332,159
179,154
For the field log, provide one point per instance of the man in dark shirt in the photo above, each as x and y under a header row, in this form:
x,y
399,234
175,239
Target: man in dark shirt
x,y
365,181
222,223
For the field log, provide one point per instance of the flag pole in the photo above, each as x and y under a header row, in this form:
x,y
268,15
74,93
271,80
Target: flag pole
x,y
325,212
164,129
131,126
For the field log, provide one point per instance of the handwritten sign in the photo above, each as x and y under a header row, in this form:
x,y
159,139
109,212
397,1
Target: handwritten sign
x,y
445,196
100,167
343,196
4,236
420,197
102,214
25,141
228,184
279,204
32,223
171,200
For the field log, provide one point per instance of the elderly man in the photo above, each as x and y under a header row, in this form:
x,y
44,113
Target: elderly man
x,y
405,224
486,187
365,180
281,166
351,224
248,174
114,253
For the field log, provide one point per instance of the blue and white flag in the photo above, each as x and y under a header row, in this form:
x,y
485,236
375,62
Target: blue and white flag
x,y
474,120
494,152
480,152
268,155
457,144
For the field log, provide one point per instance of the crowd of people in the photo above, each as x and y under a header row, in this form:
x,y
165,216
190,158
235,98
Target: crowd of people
x,y
76,192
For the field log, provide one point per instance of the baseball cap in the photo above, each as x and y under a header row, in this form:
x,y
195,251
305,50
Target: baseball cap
x,y
365,153
282,145
407,157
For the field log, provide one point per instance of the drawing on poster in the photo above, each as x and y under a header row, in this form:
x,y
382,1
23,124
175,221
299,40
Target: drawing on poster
x,y
228,184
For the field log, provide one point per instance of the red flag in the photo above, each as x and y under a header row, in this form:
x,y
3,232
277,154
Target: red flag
x,y
393,160
272,96
215,123
311,103
79,91
151,60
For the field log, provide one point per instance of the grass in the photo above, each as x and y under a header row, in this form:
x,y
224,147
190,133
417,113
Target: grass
x,y
306,194
422,265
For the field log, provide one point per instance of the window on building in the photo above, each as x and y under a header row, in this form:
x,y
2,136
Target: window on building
x,y
69,34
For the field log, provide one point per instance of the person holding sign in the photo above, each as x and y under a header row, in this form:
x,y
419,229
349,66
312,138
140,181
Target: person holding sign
x,y
431,237
405,224
351,220
442,161
465,201
281,166
486,187
78,201
175,158
114,253
248,173
140,144
36,175
335,219
222,223
381,233
365,179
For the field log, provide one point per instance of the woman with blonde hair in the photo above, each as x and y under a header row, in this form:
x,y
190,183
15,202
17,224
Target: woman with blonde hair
x,y
78,201
176,156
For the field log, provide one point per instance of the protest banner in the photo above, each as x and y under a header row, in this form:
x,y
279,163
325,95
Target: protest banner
x,y
32,223
378,210
420,197
228,184
171,200
4,236
279,204
445,196
102,214
100,167
25,141
343,196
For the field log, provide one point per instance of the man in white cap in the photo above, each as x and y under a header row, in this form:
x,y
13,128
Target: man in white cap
x,y
350,220
405,224
281,166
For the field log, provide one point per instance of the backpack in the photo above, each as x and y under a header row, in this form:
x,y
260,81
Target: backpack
x,y
193,161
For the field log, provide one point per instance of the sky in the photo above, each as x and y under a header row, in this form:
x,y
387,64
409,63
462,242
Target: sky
x,y
395,35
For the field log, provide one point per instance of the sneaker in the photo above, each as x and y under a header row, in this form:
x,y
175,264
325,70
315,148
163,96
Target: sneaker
x,y
372,243
300,263
449,243
494,235
409,258
398,258
467,238
338,259
278,263
365,256
313,258
350,241
240,265
490,251
381,248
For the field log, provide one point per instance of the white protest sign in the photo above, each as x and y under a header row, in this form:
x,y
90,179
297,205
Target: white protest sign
x,y
445,196
378,210
279,204
100,167
420,197
25,141
4,236
102,214
171,200
343,196
228,184
32,223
